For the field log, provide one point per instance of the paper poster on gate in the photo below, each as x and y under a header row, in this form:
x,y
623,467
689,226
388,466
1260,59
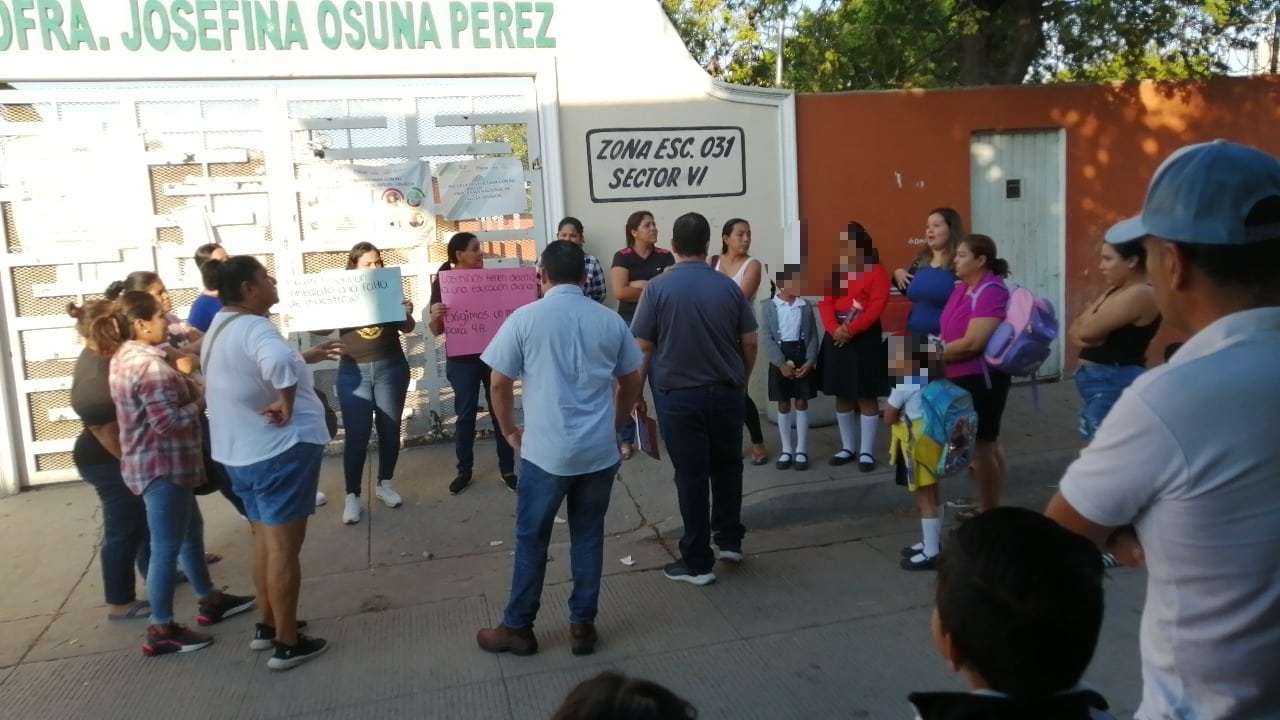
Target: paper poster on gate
x,y
66,189
342,299
386,204
479,301
482,188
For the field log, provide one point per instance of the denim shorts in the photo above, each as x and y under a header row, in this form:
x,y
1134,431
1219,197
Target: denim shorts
x,y
280,489
1100,387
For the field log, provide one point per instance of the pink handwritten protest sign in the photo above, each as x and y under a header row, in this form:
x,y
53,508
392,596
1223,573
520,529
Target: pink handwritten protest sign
x,y
479,302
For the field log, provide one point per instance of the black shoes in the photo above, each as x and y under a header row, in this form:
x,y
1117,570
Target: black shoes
x,y
459,484
288,657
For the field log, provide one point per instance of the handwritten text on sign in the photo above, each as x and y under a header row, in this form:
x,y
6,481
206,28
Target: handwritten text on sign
x,y
344,299
479,302
666,163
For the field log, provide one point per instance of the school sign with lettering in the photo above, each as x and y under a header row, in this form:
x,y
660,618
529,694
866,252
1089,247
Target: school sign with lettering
x,y
666,163
266,25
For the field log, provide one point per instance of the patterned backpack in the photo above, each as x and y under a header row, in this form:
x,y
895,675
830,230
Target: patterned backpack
x,y
1024,340
949,432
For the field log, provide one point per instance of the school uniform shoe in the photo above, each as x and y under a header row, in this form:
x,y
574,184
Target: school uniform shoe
x,y
912,550
264,636
351,509
321,499
517,641
866,462
584,638
678,572
174,638
288,657
459,484
387,494
223,606
801,462
920,561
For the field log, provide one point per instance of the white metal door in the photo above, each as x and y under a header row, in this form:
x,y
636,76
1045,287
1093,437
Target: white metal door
x,y
1018,197
150,173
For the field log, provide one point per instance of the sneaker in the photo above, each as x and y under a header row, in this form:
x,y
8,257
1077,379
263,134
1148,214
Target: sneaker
x,y
517,641
459,484
734,556
223,606
351,509
511,481
321,499
387,494
584,638
264,636
678,571
174,638
288,657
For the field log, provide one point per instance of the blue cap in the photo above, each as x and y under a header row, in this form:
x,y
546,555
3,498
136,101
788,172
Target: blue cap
x,y
1202,194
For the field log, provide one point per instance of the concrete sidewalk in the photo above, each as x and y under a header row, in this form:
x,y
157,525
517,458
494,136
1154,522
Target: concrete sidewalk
x,y
818,622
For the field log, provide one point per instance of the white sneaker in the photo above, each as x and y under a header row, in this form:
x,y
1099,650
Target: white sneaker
x,y
351,513
320,498
387,494
730,556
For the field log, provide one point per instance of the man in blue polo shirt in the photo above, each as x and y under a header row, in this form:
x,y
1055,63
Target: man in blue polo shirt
x,y
698,335
569,349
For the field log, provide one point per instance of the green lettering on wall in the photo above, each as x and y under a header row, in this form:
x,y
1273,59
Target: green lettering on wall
x,y
184,36
132,40
268,21
351,14
6,28
293,31
329,20
377,28
457,21
50,14
402,25
204,24
548,11
228,21
479,23
157,37
81,32
427,28
524,24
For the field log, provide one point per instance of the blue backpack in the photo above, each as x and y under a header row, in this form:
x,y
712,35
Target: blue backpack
x,y
949,432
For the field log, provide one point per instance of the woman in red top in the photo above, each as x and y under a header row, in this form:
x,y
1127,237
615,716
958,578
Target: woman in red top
x,y
853,360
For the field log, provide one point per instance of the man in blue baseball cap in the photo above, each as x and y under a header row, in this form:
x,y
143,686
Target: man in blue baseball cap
x,y
1184,476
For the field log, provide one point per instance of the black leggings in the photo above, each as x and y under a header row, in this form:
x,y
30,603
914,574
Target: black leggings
x,y
753,421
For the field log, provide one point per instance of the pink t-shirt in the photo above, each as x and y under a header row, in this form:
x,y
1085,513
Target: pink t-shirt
x,y
992,302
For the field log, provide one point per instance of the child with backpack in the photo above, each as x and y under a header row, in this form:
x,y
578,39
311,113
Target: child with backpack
x,y
933,430
790,342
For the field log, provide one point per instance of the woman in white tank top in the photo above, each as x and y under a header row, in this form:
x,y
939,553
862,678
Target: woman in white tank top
x,y
735,261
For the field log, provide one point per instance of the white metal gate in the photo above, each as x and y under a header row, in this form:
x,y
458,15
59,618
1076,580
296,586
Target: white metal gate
x,y
1018,197
96,183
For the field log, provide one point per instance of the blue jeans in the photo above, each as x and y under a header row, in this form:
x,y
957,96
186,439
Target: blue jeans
x,y
537,500
126,542
1100,387
467,378
371,395
177,535
702,429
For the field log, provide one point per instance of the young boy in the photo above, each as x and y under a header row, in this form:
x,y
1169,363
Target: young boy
x,y
1018,610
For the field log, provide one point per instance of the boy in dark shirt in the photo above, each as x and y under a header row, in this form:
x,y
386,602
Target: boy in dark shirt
x,y
1018,611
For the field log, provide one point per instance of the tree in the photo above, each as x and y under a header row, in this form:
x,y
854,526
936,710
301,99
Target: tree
x,y
732,39
516,135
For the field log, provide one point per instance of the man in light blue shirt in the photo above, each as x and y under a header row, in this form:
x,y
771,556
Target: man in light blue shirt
x,y
569,350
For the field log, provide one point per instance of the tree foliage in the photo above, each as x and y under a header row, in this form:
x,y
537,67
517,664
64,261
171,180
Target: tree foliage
x,y
885,44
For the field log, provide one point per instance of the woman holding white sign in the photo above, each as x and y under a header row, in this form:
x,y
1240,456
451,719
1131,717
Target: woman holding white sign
x,y
467,374
373,379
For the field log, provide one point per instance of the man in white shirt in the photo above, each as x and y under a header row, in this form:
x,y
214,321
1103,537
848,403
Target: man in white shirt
x,y
267,428
1183,476
569,350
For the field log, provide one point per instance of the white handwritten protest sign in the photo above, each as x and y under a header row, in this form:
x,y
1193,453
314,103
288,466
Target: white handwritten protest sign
x,y
479,302
343,299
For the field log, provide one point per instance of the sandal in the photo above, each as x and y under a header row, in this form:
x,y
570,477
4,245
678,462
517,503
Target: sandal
x,y
784,461
138,611
802,461
759,458
211,558
842,457
628,452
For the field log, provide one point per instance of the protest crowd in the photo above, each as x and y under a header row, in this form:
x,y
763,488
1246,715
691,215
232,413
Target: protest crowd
x,y
1176,475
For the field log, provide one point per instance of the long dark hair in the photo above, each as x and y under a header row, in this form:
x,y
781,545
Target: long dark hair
x,y
137,281
358,251
234,274
633,222
955,224
86,314
1130,250
457,244
866,248
615,696
110,330
984,247
575,223
727,231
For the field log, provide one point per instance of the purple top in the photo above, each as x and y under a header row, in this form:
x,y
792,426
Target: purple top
x,y
992,302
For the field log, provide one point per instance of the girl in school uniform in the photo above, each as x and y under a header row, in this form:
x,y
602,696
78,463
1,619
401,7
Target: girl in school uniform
x,y
791,343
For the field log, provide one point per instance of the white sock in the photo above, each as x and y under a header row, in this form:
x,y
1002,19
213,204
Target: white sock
x,y
870,423
802,431
848,438
932,535
784,431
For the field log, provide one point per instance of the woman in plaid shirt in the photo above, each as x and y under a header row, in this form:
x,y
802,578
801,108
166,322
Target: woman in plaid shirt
x,y
159,410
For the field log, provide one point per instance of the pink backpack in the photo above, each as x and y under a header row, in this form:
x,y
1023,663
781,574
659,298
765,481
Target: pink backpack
x,y
1022,343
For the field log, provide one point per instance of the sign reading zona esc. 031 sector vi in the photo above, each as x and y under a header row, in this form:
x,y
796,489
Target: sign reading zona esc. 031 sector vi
x,y
666,163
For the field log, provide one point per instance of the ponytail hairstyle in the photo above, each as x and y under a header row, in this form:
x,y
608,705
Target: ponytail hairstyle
x,y
984,247
457,244
633,222
86,314
137,281
727,230
112,329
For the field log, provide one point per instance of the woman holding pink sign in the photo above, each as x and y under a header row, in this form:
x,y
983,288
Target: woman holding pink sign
x,y
467,374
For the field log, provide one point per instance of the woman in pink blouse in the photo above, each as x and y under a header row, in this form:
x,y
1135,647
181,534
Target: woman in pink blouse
x,y
158,410
975,309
